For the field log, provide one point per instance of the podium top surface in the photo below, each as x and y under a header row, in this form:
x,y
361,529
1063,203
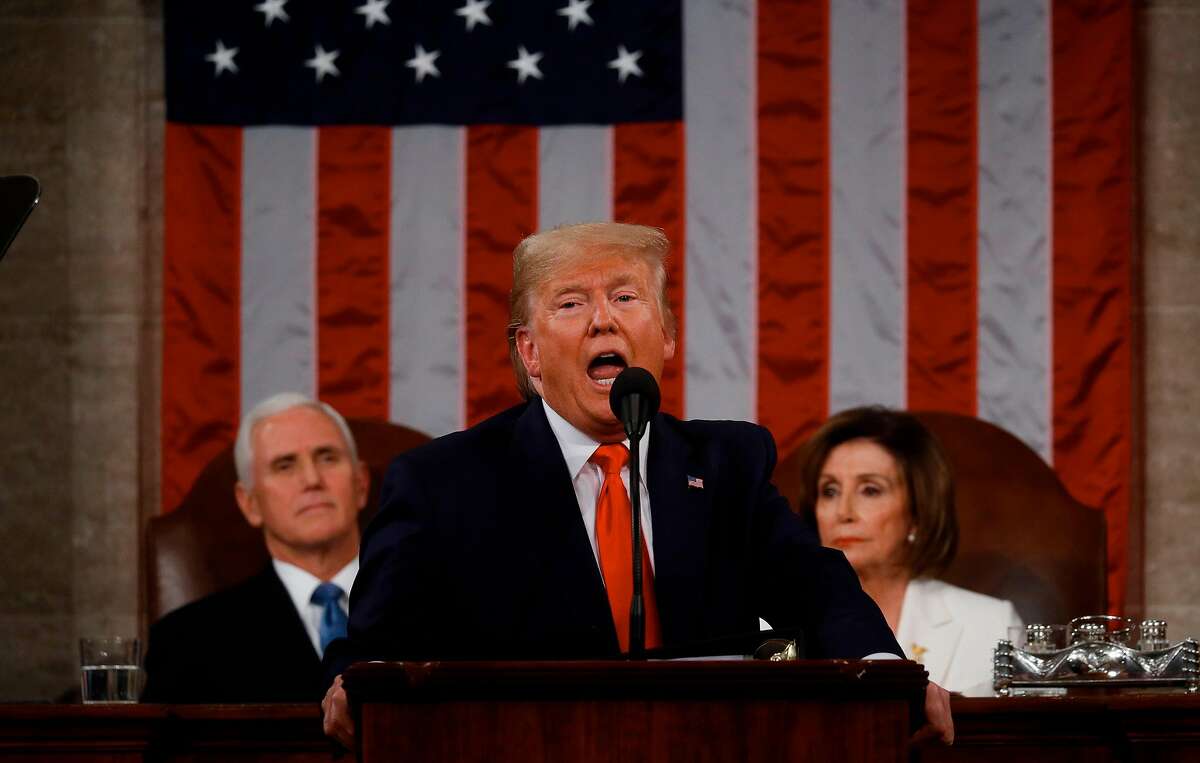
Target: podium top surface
x,y
691,679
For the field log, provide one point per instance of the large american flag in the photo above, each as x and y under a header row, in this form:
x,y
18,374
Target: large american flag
x,y
921,203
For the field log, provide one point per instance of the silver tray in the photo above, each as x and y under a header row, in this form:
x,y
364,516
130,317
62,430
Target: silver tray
x,y
1103,652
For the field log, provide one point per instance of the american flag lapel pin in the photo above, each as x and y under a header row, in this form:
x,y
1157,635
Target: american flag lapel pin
x,y
695,482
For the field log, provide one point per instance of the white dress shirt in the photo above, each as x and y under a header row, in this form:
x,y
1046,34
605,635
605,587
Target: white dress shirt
x,y
587,477
300,585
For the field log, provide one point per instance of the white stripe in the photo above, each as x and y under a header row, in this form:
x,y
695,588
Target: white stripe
x,y
279,254
721,256
575,168
867,142
426,262
1048,305
1014,224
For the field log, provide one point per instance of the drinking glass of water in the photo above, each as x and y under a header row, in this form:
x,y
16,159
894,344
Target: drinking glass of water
x,y
109,669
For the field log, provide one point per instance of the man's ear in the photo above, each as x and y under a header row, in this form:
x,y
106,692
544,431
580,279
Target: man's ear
x,y
248,504
528,350
668,345
362,484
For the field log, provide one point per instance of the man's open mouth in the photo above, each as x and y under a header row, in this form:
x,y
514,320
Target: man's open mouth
x,y
605,367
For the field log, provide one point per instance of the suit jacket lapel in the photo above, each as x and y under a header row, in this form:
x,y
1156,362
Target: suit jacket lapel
x,y
286,624
680,515
935,631
549,515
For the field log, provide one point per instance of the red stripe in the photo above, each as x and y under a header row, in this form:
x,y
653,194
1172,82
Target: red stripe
x,y
793,217
201,300
354,166
941,219
648,183
1093,255
501,210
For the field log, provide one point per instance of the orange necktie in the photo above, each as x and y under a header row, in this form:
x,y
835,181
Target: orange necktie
x,y
614,538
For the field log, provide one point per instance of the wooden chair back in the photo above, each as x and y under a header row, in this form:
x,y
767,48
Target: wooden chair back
x,y
205,545
1022,537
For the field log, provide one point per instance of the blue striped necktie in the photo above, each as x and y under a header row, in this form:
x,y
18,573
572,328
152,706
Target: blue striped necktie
x,y
333,619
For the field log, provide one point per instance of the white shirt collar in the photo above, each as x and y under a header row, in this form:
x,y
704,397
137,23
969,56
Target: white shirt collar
x,y
300,584
578,447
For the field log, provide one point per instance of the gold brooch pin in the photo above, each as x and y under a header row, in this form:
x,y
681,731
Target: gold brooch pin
x,y
918,652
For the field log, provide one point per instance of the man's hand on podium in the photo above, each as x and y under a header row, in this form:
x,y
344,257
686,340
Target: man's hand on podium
x,y
938,723
339,725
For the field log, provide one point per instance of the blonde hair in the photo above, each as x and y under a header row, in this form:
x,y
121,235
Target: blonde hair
x,y
540,256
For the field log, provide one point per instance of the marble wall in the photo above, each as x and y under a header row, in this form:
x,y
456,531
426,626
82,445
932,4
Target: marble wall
x,y
81,107
1170,212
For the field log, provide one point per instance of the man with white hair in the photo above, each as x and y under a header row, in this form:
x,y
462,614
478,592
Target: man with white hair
x,y
300,481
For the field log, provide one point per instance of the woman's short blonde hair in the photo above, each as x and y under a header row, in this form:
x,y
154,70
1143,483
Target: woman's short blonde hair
x,y
539,257
928,479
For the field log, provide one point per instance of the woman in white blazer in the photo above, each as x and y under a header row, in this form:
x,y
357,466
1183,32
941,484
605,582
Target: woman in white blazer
x,y
877,487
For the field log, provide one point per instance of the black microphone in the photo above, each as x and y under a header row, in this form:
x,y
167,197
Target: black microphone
x,y
19,194
634,400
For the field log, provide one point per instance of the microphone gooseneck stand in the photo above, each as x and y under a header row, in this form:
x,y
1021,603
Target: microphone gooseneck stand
x,y
634,400
637,607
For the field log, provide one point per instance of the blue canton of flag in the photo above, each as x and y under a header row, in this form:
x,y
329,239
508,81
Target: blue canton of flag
x,y
533,62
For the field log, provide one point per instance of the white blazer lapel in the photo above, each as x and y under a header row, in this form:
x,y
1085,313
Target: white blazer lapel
x,y
928,632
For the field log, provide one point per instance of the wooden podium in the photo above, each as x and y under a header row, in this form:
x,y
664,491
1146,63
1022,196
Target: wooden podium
x,y
635,711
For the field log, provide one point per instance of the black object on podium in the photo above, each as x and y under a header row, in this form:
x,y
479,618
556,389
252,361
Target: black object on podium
x,y
19,194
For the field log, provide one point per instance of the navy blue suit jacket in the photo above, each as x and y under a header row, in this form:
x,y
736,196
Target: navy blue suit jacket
x,y
479,551
242,644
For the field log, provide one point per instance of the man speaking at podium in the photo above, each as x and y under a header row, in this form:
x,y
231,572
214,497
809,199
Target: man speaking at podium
x,y
512,539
